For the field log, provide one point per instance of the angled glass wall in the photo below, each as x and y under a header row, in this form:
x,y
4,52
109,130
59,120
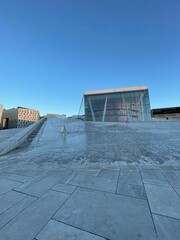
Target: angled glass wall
x,y
129,106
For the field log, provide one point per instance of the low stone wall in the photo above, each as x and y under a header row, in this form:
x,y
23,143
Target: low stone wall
x,y
18,139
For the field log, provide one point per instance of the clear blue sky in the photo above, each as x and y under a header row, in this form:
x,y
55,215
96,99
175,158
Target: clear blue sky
x,y
51,51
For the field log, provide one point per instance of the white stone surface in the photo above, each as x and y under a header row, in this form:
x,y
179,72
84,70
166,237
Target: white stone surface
x,y
108,165
16,209
109,173
8,199
132,190
163,200
7,133
102,184
172,178
6,185
111,216
16,140
64,188
167,228
58,231
27,224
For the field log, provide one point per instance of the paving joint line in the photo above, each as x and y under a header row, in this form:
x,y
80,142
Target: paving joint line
x,y
26,193
170,183
118,179
67,224
93,189
19,212
178,219
149,207
13,180
130,196
54,213
62,191
64,202
13,204
74,174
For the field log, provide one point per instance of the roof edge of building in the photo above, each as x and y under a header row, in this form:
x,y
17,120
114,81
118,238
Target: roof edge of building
x,y
10,109
163,108
19,107
116,90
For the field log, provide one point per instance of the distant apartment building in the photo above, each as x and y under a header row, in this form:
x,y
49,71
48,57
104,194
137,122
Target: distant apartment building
x,y
1,111
19,117
130,104
169,113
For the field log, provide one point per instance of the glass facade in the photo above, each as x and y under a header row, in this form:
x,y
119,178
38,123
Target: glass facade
x,y
125,106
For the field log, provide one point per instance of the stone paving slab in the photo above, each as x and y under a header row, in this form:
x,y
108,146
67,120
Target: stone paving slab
x,y
124,166
4,174
152,174
29,223
19,178
157,182
32,181
60,174
177,173
64,188
132,190
167,228
103,184
58,231
110,216
30,172
172,178
83,189
144,156
12,212
154,177
130,177
41,187
92,172
6,185
109,173
178,191
8,199
70,175
163,200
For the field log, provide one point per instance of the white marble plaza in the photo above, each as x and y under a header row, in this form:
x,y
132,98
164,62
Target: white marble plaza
x,y
99,181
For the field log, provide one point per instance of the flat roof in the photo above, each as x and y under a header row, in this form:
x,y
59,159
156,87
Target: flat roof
x,y
116,90
166,110
26,108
